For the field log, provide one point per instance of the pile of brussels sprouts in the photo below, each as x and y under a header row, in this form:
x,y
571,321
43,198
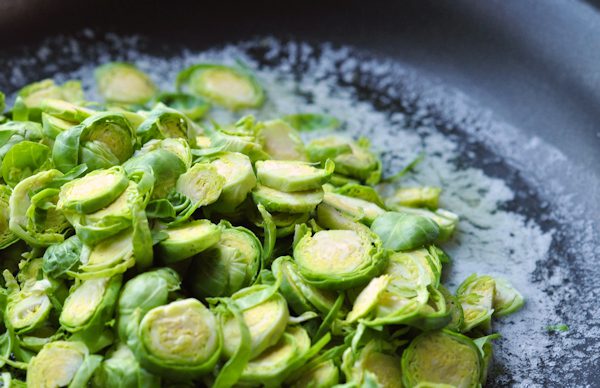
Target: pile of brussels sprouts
x,y
144,245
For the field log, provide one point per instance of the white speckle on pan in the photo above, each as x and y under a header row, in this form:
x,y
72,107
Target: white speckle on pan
x,y
403,114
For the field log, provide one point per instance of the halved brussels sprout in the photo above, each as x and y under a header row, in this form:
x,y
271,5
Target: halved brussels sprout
x,y
279,201
23,160
27,308
228,266
476,296
339,259
404,232
7,237
367,300
65,110
323,375
193,107
53,126
14,132
281,141
507,299
373,359
187,240
312,121
300,295
90,304
62,364
446,220
426,196
164,122
266,321
180,340
144,292
124,83
240,137
109,257
239,176
441,358
93,191
102,140
357,208
201,184
33,94
292,175
329,217
33,214
121,369
227,86
455,308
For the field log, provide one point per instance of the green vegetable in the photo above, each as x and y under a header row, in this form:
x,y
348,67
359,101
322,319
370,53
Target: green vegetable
x,y
123,83
62,258
446,220
476,296
281,141
374,359
164,122
416,197
292,176
240,179
227,86
280,201
192,106
23,160
121,369
65,110
312,121
187,240
33,95
7,237
404,232
357,208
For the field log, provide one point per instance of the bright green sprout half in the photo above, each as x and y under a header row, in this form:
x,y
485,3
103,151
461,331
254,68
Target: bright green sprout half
x,y
123,83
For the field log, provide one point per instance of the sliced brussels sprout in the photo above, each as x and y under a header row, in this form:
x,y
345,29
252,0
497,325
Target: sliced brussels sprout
x,y
65,110
455,308
312,121
446,220
266,321
145,292
7,237
367,300
227,267
273,365
33,214
323,375
164,122
90,304
102,140
15,132
373,359
300,295
23,160
331,218
109,257
187,240
486,349
121,369
426,196
230,87
279,201
192,106
53,126
201,184
62,364
321,149
61,258
124,83
441,358
476,296
180,340
366,193
507,299
357,208
404,232
28,308
34,94
281,141
239,176
291,175
240,137
93,191
339,259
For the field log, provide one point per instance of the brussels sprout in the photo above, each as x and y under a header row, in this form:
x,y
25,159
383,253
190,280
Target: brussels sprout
x,y
61,364
13,132
230,87
416,197
239,176
90,304
34,94
93,191
53,126
279,201
27,308
367,300
476,296
33,214
331,218
291,175
123,83
507,300
121,369
102,140
312,121
109,257
266,320
7,237
357,208
65,110
285,223
228,266
144,292
446,220
201,184
485,348
192,106
300,295
187,240
23,160
455,308
241,137
164,122
441,358
323,375
281,141
180,340
404,232
61,258
339,259
373,359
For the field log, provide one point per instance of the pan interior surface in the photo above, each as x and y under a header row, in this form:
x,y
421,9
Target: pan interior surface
x,y
520,217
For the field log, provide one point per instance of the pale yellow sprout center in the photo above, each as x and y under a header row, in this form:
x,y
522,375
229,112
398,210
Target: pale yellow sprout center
x,y
228,85
334,251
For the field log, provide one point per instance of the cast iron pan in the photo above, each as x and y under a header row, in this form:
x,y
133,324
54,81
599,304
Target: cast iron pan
x,y
533,66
